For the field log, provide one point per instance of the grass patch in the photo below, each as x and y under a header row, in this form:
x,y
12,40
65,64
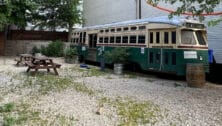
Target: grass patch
x,y
45,84
81,87
19,114
93,71
133,113
130,76
22,114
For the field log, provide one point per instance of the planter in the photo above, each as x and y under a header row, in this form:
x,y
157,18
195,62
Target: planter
x,y
118,68
71,60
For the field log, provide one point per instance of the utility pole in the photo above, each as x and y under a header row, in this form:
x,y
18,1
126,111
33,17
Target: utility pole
x,y
138,9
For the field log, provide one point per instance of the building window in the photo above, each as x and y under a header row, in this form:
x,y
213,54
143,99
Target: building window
x,y
112,39
166,37
107,30
141,39
118,39
133,39
174,38
125,39
151,37
101,31
142,27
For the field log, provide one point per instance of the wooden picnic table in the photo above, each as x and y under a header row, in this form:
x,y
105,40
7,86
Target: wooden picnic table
x,y
23,58
42,62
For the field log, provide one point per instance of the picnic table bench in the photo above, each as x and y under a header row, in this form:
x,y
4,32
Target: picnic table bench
x,y
23,58
42,63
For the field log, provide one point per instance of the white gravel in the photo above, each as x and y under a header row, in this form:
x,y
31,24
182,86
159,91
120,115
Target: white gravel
x,y
182,105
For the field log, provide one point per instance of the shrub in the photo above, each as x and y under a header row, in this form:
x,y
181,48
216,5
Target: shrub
x,y
117,55
55,49
70,52
35,50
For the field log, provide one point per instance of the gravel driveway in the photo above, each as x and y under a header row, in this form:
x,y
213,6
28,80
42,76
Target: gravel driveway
x,y
88,97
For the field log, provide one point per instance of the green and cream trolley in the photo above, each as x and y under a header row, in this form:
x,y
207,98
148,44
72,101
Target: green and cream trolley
x,y
155,44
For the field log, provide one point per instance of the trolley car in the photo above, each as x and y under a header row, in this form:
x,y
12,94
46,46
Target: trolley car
x,y
155,44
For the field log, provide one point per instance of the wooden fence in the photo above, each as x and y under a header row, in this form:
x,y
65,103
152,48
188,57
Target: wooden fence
x,y
37,35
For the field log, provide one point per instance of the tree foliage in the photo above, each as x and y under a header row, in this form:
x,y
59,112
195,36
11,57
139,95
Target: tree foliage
x,y
17,12
196,7
45,14
57,13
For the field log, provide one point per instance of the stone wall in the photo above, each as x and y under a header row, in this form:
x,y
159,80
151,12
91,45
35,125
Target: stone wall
x,y
16,47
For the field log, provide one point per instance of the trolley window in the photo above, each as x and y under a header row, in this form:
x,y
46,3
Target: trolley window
x,y
173,36
126,29
106,39
151,37
133,39
107,30
84,37
101,40
142,27
80,37
112,39
187,37
166,58
174,61
112,30
166,37
157,37
118,39
119,29
125,39
133,28
151,57
141,39
74,40
158,57
200,38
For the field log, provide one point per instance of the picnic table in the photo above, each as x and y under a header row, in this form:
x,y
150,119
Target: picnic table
x,y
42,62
23,58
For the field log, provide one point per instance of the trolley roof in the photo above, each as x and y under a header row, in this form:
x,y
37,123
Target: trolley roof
x,y
178,21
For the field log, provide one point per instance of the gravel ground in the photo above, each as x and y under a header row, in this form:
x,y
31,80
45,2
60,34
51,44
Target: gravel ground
x,y
179,104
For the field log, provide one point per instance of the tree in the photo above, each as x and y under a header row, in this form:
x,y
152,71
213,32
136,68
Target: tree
x,y
53,14
17,12
196,7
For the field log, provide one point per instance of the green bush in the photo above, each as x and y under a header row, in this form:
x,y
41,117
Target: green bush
x,y
117,55
35,50
70,52
55,49
43,50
